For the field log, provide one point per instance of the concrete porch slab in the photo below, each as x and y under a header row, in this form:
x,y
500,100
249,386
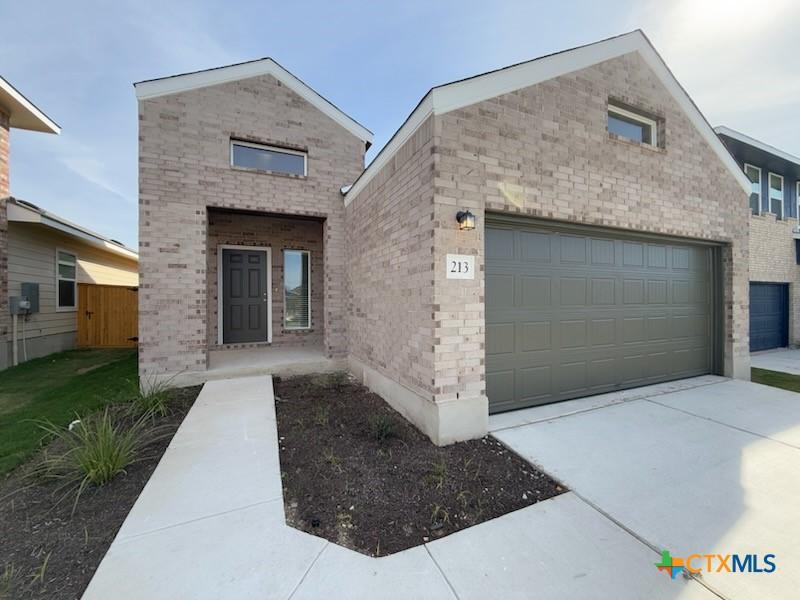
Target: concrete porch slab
x,y
784,360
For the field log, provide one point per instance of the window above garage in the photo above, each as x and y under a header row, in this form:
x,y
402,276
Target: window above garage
x,y
632,125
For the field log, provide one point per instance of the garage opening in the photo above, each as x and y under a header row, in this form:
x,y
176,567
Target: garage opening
x,y
573,311
769,316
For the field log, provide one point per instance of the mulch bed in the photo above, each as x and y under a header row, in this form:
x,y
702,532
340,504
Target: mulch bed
x,y
47,552
358,474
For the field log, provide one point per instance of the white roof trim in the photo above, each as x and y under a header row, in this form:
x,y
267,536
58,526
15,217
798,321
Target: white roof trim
x,y
452,96
23,113
746,139
25,213
265,66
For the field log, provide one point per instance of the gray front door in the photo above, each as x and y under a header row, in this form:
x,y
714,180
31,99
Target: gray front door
x,y
244,296
572,312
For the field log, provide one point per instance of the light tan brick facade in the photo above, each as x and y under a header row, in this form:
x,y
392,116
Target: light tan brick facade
x,y
414,335
184,170
773,260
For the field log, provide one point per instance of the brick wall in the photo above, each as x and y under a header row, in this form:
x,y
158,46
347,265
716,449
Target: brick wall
x,y
390,303
278,234
772,259
545,151
184,168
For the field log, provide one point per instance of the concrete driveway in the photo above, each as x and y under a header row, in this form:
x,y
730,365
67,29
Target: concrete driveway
x,y
785,360
712,469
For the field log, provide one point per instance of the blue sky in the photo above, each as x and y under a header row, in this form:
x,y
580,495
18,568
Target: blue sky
x,y
375,60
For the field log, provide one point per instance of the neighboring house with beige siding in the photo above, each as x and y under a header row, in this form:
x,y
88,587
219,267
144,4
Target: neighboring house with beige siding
x,y
43,257
57,256
563,227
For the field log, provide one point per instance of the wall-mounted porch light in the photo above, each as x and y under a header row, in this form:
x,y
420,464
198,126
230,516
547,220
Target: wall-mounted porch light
x,y
466,220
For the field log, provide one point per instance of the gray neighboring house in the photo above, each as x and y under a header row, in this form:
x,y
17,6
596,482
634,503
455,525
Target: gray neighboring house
x,y
562,227
774,239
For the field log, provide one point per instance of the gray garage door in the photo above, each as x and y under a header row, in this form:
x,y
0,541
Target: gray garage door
x,y
572,312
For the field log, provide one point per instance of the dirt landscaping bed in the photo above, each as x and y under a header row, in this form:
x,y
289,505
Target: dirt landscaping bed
x,y
358,474
49,552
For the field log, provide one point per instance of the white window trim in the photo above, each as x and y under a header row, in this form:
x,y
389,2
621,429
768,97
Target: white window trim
x,y
760,184
272,149
268,251
283,320
783,193
60,308
797,200
616,110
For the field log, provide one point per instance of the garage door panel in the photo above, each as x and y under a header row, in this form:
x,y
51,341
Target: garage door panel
x,y
534,383
603,291
500,291
500,338
591,314
535,291
572,291
535,246
535,336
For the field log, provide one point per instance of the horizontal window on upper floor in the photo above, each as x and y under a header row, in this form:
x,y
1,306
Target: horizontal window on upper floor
x,y
632,125
259,157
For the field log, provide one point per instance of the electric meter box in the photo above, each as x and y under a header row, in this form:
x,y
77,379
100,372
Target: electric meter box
x,y
31,292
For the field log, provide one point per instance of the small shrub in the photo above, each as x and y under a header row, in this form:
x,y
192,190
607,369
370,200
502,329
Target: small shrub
x,y
334,461
381,427
437,475
321,415
95,450
152,398
9,581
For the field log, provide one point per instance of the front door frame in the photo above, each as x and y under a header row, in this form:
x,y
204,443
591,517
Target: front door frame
x,y
268,251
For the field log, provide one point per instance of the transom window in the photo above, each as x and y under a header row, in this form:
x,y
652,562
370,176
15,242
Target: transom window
x,y
776,195
66,280
631,125
296,289
259,157
754,175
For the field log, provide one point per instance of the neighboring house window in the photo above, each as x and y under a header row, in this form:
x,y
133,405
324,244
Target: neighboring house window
x,y
296,289
633,126
247,155
754,175
776,195
66,280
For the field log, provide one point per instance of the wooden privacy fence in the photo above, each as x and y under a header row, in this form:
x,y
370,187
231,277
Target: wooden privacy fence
x,y
108,316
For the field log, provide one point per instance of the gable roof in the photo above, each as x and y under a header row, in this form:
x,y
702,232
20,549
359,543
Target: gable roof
x,y
465,92
22,112
164,86
22,211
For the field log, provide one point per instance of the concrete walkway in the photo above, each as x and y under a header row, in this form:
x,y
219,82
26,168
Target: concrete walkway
x,y
710,469
785,360
210,524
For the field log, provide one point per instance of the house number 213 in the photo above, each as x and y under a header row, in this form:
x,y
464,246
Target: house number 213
x,y
460,266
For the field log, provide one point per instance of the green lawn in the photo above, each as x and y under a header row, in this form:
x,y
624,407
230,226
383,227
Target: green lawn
x,y
56,388
776,379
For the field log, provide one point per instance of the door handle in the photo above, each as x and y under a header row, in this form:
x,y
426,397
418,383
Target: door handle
x,y
89,314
